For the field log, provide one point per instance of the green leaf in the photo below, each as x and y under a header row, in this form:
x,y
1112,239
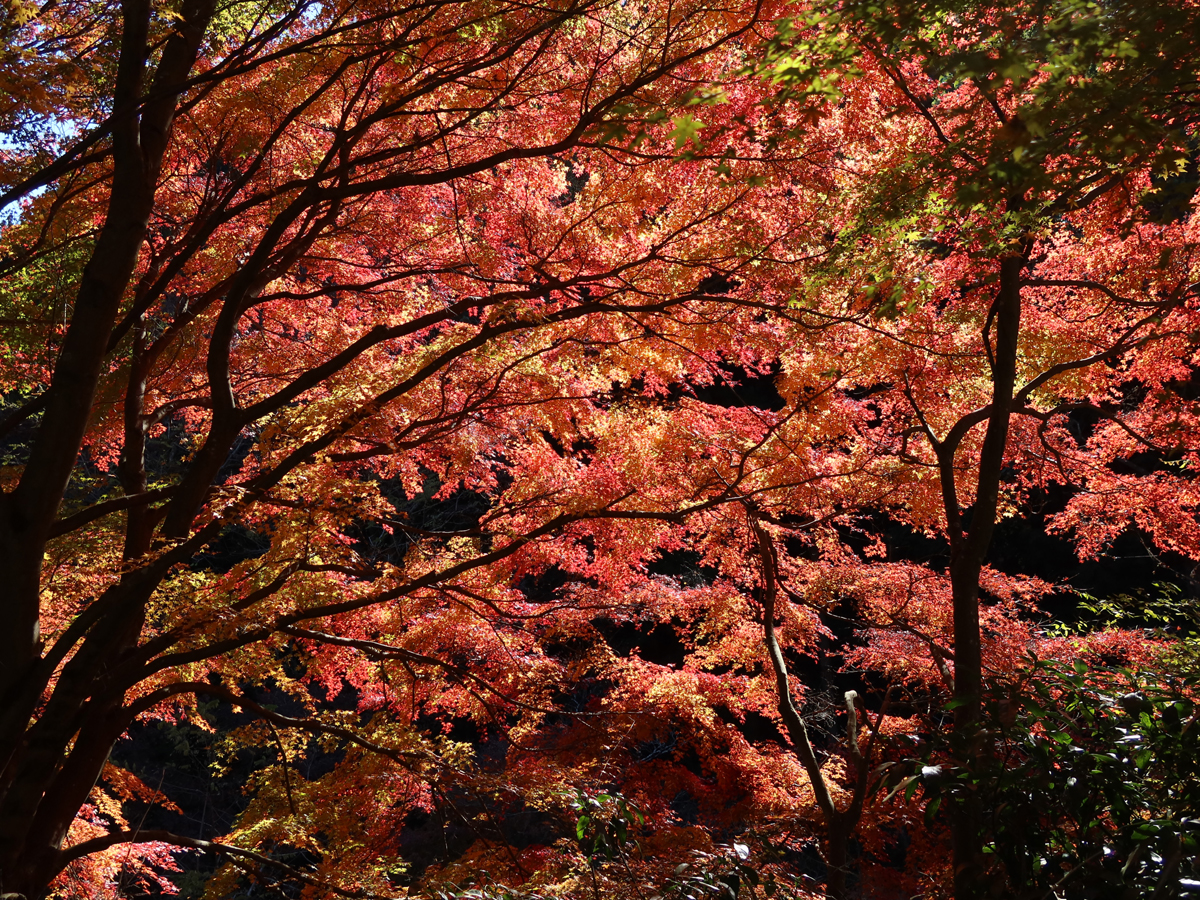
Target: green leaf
x,y
687,128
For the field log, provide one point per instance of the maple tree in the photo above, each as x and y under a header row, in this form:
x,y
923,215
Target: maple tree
x,y
1043,123
406,353
337,246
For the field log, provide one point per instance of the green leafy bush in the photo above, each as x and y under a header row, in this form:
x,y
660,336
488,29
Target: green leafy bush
x,y
1089,779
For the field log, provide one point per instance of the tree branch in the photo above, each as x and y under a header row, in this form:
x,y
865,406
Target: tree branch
x,y
95,845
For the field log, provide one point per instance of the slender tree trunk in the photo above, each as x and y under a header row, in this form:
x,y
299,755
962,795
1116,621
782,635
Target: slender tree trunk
x,y
839,824
965,815
968,550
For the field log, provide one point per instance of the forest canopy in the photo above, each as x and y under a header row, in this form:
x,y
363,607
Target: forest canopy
x,y
599,449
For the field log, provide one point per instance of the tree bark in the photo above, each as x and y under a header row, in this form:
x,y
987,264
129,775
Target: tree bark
x,y
839,823
141,124
968,550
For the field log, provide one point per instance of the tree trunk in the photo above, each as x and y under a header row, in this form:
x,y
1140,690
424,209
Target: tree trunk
x,y
839,824
40,791
968,550
837,857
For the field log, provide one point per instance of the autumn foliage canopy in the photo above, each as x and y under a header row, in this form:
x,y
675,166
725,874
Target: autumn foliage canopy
x,y
534,418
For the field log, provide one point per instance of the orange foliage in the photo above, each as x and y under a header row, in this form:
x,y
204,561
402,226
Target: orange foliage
x,y
434,312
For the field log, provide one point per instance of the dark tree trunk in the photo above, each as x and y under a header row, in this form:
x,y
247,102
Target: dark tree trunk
x,y
40,790
837,857
968,550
